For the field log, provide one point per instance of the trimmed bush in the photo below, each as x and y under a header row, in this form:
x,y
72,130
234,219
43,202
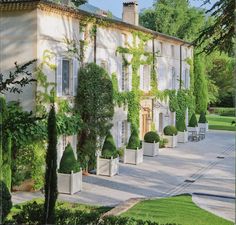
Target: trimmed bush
x,y
180,125
170,130
134,141
193,121
5,199
151,137
202,118
109,148
68,161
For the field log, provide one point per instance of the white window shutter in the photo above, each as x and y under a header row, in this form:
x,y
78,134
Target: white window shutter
x,y
120,133
128,131
149,78
141,76
130,77
75,145
75,76
60,150
59,76
119,78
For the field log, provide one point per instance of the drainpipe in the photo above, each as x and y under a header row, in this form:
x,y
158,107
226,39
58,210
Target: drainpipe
x,y
95,45
153,67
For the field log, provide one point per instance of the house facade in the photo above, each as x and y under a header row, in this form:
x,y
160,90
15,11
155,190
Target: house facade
x,y
35,29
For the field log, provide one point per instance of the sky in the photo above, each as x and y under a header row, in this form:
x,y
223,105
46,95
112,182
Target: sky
x,y
115,6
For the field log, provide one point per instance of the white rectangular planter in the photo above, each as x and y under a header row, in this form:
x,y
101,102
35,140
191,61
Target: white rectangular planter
x,y
203,125
69,183
172,141
132,156
150,149
183,137
107,167
193,129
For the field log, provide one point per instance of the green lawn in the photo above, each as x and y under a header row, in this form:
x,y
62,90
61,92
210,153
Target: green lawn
x,y
178,209
220,122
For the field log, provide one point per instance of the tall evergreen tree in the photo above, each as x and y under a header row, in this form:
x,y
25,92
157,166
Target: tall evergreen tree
x,y
200,85
51,170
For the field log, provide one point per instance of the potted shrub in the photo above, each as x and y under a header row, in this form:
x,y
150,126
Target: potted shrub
x,y
133,153
182,131
108,163
170,133
151,143
69,177
193,124
202,122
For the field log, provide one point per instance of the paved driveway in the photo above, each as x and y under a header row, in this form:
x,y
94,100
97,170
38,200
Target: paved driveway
x,y
211,179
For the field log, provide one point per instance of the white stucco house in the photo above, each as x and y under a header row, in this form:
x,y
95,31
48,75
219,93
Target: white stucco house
x,y
28,28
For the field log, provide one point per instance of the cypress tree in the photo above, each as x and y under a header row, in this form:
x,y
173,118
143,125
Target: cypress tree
x,y
51,170
200,85
5,149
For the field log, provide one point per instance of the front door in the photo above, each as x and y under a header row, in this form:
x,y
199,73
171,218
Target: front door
x,y
146,122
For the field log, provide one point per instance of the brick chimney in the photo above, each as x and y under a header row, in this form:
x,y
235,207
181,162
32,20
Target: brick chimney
x,y
130,13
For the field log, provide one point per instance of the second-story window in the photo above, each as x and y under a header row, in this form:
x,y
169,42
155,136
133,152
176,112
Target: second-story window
x,y
172,51
125,78
145,77
173,73
66,76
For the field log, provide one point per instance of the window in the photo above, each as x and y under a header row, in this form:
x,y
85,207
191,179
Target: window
x,y
173,78
161,82
124,132
66,76
66,73
146,78
125,78
124,40
172,51
186,78
104,65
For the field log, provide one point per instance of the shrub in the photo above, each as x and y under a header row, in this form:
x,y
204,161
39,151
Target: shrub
x,y
68,161
180,125
109,148
163,142
5,198
134,141
193,121
151,137
170,131
202,118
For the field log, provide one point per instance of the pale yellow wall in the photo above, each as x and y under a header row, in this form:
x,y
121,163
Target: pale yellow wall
x,y
18,34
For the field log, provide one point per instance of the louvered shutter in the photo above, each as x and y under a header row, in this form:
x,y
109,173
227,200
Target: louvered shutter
x,y
74,144
119,133
119,78
59,150
59,76
141,76
130,77
75,76
149,77
128,131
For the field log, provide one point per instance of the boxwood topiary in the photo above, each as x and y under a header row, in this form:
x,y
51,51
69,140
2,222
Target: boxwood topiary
x,y
193,121
202,118
68,161
151,137
134,141
109,148
170,130
180,125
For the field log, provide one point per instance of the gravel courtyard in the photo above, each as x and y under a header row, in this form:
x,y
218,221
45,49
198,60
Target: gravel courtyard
x,y
205,169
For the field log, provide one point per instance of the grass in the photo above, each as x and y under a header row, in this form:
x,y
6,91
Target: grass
x,y
179,209
217,122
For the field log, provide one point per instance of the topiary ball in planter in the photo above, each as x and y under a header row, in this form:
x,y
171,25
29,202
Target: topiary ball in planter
x,y
109,148
151,137
180,125
134,141
170,130
202,118
68,161
193,121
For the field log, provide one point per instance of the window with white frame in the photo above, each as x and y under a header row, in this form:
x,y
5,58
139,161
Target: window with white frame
x,y
161,81
173,73
186,78
125,78
146,77
66,76
124,132
172,51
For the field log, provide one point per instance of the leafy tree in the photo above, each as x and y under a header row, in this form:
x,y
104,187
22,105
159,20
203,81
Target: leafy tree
x,y
16,80
174,18
95,105
51,170
220,35
200,85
